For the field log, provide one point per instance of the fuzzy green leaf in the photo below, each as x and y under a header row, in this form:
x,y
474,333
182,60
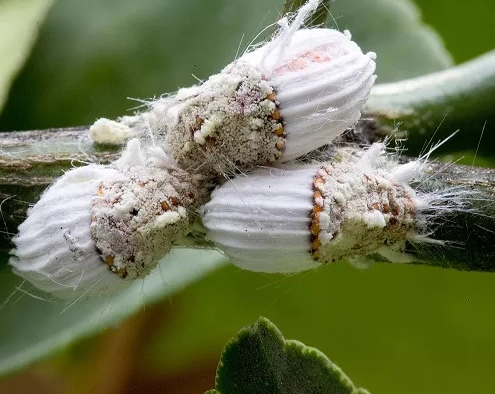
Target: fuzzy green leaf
x,y
19,25
259,360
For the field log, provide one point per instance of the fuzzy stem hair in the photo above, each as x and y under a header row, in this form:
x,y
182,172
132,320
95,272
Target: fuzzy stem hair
x,y
466,227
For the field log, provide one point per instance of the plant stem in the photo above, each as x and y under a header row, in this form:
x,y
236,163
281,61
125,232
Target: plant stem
x,y
29,162
468,233
28,157
462,97
32,160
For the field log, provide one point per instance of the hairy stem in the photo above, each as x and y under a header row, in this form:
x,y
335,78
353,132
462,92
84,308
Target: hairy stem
x,y
32,160
467,233
28,157
461,98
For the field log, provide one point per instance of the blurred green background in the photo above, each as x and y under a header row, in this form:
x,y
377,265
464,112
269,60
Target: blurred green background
x,y
391,328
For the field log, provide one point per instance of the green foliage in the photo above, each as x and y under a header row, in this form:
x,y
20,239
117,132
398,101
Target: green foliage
x,y
392,328
467,31
259,360
32,327
19,25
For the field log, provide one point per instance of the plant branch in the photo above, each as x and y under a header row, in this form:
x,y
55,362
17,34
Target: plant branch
x,y
462,97
31,157
467,233
32,160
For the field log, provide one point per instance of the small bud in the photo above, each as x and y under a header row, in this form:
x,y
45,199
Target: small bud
x,y
298,217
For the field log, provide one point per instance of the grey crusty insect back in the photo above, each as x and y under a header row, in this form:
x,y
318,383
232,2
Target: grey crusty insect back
x,y
271,105
231,120
138,215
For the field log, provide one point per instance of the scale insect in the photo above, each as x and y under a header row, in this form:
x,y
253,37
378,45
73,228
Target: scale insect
x,y
99,227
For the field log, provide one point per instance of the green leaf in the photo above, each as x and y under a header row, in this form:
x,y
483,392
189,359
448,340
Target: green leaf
x,y
19,25
405,46
390,326
31,328
259,360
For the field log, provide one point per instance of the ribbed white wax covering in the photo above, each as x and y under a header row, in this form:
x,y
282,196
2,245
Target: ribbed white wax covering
x,y
262,220
54,248
322,80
